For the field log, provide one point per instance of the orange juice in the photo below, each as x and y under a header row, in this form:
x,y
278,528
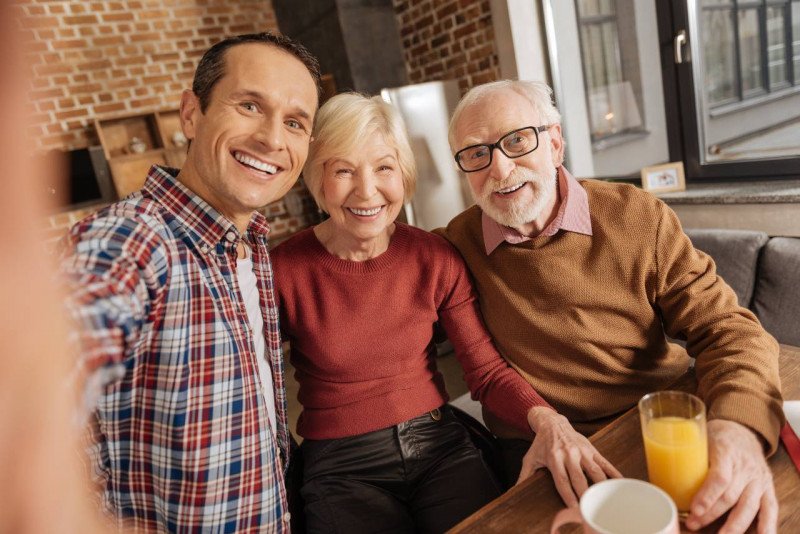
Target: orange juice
x,y
677,457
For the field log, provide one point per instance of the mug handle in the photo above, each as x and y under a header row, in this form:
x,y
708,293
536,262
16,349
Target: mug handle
x,y
566,517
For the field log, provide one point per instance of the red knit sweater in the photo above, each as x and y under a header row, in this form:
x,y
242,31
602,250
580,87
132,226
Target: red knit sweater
x,y
362,335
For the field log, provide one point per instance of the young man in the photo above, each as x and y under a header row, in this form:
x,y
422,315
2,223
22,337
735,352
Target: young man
x,y
580,281
172,289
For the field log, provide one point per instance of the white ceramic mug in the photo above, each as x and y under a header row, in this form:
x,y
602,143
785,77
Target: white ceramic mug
x,y
622,506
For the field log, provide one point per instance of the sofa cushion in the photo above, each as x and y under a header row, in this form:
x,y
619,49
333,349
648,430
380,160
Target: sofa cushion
x,y
470,407
777,293
736,254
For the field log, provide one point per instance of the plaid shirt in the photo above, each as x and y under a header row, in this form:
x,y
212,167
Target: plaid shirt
x,y
181,439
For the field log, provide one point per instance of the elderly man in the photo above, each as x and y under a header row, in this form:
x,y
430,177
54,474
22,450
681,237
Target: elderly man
x,y
580,282
172,287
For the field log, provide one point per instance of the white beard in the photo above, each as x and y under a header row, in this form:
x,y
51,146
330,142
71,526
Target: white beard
x,y
518,212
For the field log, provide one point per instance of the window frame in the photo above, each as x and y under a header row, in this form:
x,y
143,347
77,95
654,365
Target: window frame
x,y
682,128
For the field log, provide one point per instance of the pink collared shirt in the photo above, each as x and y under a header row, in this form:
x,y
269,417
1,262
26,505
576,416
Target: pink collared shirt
x,y
572,216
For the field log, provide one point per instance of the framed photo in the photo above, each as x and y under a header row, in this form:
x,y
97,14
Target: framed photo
x,y
664,178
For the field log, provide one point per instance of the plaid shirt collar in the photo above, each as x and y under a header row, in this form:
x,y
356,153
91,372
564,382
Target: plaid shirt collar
x,y
205,226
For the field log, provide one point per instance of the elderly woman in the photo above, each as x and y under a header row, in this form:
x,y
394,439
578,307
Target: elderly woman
x,y
360,298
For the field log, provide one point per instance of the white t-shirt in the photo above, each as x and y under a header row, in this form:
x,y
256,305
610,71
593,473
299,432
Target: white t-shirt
x,y
249,288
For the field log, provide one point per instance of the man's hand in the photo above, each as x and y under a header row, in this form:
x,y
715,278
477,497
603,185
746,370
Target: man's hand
x,y
567,454
738,480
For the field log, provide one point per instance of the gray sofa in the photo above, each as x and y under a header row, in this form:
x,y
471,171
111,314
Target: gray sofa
x,y
763,271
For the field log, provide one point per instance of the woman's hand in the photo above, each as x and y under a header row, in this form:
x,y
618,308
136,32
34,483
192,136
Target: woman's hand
x,y
568,455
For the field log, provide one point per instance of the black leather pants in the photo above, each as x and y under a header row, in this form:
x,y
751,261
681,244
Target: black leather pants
x,y
423,475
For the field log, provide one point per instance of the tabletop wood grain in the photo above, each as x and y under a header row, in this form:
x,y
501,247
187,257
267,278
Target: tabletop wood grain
x,y
531,506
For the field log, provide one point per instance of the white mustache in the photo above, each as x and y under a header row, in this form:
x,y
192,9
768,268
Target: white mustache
x,y
518,176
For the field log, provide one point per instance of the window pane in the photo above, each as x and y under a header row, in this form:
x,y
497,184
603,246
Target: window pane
x,y
611,52
593,56
776,46
606,7
750,51
718,54
796,40
587,8
746,51
612,104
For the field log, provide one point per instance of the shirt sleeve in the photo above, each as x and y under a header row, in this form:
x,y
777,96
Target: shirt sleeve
x,y
489,377
113,270
737,360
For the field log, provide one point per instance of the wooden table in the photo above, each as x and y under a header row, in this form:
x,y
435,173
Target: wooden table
x,y
531,506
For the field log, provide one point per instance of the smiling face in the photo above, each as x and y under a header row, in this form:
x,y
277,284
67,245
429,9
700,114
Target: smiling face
x,y
516,192
249,146
363,193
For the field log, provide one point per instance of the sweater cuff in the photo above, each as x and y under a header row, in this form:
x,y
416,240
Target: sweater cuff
x,y
516,415
740,408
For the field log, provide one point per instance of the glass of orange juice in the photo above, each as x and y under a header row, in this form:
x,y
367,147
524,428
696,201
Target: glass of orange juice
x,y
675,443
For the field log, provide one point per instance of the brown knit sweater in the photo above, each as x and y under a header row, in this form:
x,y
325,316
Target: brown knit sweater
x,y
583,318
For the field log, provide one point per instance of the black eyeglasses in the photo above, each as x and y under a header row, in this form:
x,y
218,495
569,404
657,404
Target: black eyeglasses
x,y
514,144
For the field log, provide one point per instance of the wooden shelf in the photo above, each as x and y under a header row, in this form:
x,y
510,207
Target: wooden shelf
x,y
119,136
147,153
169,123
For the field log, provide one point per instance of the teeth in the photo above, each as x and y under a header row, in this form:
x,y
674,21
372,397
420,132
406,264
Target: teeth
x,y
510,189
256,164
365,212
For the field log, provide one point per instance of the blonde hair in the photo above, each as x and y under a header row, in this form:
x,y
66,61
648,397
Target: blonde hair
x,y
343,125
538,94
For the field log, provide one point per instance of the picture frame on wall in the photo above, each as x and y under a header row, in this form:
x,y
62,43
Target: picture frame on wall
x,y
664,178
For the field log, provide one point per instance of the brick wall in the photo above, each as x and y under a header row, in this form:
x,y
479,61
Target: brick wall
x,y
97,58
104,57
448,40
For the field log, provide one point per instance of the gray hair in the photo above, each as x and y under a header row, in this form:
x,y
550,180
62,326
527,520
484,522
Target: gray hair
x,y
538,93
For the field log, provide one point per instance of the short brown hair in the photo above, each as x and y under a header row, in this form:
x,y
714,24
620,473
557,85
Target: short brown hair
x,y
212,65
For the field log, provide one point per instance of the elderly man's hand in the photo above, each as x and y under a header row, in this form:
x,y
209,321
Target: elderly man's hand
x,y
566,453
738,480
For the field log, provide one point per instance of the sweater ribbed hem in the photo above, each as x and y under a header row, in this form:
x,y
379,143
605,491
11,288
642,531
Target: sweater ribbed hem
x,y
367,415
